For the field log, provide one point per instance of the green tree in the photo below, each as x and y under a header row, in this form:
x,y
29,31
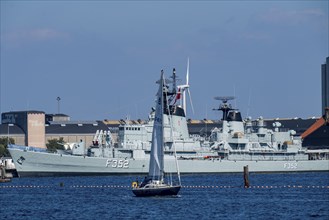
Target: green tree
x,y
55,144
4,145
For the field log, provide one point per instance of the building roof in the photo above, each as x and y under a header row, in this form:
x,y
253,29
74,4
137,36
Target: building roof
x,y
57,115
27,112
13,130
71,127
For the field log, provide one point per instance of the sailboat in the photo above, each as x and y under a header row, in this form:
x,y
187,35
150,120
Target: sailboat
x,y
154,184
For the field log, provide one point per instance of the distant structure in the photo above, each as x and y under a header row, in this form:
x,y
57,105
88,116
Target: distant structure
x,y
58,104
31,122
57,117
35,128
325,85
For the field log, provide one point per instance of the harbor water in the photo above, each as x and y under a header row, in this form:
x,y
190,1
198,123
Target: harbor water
x,y
220,196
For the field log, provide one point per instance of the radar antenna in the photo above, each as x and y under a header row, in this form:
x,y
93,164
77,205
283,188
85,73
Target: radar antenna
x,y
224,106
224,99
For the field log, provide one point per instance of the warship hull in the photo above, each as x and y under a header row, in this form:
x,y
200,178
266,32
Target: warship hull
x,y
34,164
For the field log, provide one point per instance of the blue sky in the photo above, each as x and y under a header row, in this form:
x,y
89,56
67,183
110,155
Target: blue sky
x,y
103,57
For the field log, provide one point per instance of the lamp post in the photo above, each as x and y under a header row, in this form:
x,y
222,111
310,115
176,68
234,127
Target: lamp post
x,y
58,99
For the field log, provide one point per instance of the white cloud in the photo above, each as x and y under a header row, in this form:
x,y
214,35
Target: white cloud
x,y
45,34
271,23
290,17
16,38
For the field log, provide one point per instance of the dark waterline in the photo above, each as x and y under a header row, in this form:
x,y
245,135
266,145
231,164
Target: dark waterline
x,y
292,196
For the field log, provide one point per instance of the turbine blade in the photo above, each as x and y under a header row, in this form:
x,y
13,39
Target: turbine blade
x,y
188,70
189,94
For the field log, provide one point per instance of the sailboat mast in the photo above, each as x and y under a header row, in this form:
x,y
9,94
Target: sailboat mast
x,y
170,118
162,81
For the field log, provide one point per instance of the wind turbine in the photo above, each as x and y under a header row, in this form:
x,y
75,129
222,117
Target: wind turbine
x,y
184,88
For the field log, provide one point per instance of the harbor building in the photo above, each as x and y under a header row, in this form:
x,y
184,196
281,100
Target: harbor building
x,y
35,128
32,123
325,85
74,131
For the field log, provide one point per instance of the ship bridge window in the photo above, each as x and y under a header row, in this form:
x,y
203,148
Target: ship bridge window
x,y
263,144
238,146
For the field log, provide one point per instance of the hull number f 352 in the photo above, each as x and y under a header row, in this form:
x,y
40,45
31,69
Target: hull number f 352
x,y
117,163
290,166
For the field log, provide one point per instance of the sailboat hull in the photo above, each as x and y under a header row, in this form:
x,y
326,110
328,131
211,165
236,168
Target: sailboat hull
x,y
157,191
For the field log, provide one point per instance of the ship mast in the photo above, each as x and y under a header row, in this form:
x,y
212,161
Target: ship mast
x,y
224,106
174,80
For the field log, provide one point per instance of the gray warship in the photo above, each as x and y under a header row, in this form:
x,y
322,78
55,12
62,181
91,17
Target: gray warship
x,y
236,144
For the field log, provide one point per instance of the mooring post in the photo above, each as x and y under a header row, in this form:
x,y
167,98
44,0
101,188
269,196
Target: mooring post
x,y
3,172
246,177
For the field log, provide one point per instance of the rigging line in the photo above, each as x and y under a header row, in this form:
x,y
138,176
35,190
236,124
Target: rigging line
x,y
234,96
172,137
206,124
249,100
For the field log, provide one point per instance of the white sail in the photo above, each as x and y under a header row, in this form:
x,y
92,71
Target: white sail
x,y
157,152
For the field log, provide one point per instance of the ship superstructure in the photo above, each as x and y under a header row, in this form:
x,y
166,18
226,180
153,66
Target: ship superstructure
x,y
249,140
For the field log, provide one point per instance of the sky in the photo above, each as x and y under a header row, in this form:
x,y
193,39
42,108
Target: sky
x,y
102,58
